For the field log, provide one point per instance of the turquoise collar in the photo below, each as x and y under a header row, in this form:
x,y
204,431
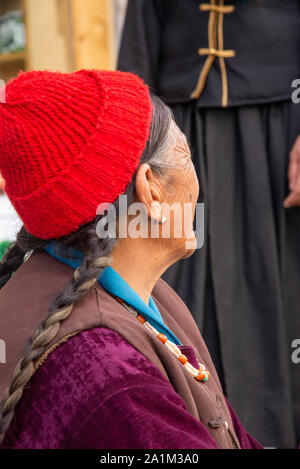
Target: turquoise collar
x,y
111,281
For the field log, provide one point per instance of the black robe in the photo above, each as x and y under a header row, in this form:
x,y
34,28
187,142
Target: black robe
x,y
161,39
242,287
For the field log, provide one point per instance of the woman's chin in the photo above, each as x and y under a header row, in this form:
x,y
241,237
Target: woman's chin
x,y
183,247
190,246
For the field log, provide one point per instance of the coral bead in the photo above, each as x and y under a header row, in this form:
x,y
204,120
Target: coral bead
x,y
163,338
141,318
182,359
201,376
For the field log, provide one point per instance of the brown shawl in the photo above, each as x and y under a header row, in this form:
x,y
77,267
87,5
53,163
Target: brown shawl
x,y
24,302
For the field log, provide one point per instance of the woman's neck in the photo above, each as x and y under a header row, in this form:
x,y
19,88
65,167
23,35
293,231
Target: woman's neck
x,y
139,265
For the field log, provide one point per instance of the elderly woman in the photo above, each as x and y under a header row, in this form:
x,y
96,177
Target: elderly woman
x,y
100,352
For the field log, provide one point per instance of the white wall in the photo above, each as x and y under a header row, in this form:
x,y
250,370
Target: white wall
x,y
10,223
120,11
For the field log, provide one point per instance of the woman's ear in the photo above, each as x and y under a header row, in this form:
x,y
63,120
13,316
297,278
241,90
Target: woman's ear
x,y
148,191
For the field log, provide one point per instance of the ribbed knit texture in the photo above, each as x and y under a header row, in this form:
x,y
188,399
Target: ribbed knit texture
x,y
69,142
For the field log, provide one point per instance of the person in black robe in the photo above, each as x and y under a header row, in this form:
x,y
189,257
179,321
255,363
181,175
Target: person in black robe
x,y
228,71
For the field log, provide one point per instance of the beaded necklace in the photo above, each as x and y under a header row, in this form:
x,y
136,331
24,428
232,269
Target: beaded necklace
x,y
201,374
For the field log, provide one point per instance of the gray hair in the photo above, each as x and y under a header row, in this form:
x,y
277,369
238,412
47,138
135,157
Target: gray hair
x,y
161,139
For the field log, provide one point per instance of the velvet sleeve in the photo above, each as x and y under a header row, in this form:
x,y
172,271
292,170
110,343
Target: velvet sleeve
x,y
149,416
140,44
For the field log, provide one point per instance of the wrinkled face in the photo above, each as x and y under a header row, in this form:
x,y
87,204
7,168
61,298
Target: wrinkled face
x,y
181,190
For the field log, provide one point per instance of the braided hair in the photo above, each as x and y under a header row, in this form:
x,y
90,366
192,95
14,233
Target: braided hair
x,y
96,257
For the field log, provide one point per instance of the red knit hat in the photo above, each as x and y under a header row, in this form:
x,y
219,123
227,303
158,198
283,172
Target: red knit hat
x,y
69,142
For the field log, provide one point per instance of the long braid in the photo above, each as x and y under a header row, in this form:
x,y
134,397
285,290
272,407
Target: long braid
x,y
11,261
15,254
96,258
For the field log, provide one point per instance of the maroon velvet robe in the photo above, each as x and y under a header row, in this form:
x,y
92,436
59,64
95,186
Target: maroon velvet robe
x,y
97,391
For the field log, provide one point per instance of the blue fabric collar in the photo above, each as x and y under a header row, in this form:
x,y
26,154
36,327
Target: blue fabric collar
x,y
111,281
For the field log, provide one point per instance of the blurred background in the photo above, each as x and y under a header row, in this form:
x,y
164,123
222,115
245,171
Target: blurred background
x,y
64,35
